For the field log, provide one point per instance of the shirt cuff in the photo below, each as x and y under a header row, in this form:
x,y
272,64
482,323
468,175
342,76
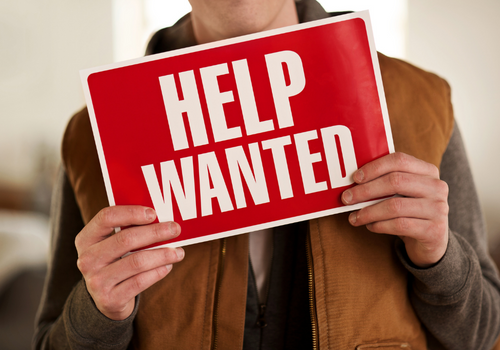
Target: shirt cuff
x,y
447,281
87,326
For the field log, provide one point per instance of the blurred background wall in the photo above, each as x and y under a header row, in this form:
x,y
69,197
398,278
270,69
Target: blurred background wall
x,y
459,40
45,43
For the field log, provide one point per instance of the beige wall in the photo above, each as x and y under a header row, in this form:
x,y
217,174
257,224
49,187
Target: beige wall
x,y
459,40
43,45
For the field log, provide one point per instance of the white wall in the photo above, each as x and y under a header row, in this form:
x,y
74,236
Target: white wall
x,y
43,45
459,40
388,19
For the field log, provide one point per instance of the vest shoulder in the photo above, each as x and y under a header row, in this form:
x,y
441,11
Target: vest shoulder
x,y
420,110
399,74
80,160
77,136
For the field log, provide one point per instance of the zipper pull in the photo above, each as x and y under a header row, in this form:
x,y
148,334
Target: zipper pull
x,y
261,322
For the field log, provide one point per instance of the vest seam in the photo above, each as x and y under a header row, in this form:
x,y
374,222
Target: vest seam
x,y
325,298
242,315
206,299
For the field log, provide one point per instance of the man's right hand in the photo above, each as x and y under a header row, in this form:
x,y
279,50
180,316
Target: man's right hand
x,y
113,282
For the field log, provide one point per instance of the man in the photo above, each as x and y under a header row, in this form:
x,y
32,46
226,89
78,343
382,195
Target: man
x,y
331,283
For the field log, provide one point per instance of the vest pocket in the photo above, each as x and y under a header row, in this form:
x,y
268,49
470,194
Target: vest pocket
x,y
385,346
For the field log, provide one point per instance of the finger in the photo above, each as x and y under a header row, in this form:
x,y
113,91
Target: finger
x,y
138,237
140,282
116,302
104,223
142,261
401,226
400,183
393,162
125,241
425,240
425,231
399,207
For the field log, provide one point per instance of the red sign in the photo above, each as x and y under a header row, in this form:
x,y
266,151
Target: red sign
x,y
242,134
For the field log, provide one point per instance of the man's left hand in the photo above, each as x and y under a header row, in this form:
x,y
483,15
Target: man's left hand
x,y
418,215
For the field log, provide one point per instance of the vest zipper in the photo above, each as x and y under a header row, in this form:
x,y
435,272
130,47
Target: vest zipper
x,y
261,322
312,308
222,256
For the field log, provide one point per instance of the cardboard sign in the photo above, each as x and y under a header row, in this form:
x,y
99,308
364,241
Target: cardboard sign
x,y
242,134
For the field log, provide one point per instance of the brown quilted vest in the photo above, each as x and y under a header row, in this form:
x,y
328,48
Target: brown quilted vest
x,y
359,288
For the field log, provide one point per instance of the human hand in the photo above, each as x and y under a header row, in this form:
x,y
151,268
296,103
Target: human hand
x,y
419,215
113,282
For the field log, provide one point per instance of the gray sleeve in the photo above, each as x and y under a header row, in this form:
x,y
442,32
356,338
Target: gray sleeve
x,y
458,299
67,317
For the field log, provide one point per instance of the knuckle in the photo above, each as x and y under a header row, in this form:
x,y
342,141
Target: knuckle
x,y
109,303
83,263
442,225
164,231
94,283
106,215
395,205
140,282
78,241
376,167
443,208
162,272
435,171
159,274
138,261
396,181
403,225
442,188
402,159
158,231
437,231
443,228
363,190
124,238
170,256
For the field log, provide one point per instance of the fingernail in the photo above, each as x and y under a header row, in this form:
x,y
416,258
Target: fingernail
x,y
169,267
347,196
150,214
180,253
353,217
173,227
359,175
